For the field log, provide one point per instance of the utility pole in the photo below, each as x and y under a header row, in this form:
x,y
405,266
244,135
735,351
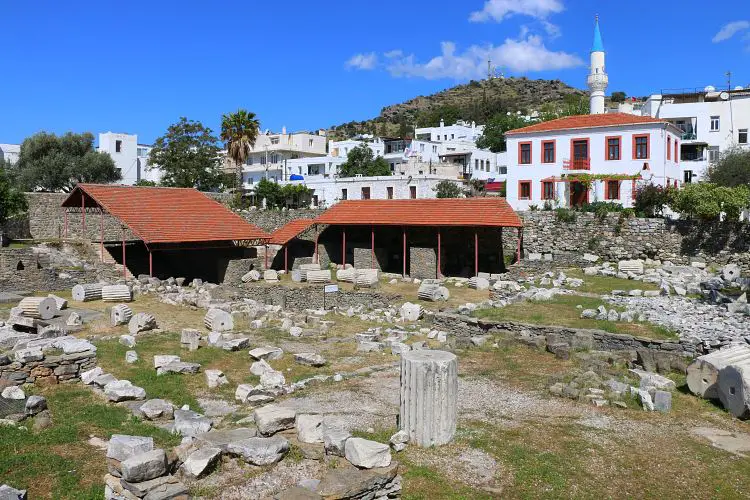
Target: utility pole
x,y
729,80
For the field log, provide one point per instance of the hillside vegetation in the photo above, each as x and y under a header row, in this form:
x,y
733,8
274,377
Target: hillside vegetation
x,y
477,100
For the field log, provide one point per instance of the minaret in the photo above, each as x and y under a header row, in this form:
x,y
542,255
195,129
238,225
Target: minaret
x,y
598,79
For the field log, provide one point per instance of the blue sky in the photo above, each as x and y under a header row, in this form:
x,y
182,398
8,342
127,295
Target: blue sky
x,y
138,66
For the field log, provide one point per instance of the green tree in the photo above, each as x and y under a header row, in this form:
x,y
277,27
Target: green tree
x,y
12,201
188,156
361,161
707,201
493,137
448,189
475,187
145,183
269,191
239,131
51,163
618,96
732,169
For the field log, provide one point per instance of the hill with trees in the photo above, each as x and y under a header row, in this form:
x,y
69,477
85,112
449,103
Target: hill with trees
x,y
477,101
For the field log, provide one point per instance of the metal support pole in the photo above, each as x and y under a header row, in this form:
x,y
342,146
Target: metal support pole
x,y
518,251
286,259
124,265
150,264
101,236
315,251
476,254
404,231
343,247
83,217
372,253
439,270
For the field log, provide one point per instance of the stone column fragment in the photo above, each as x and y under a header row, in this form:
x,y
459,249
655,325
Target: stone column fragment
x,y
429,389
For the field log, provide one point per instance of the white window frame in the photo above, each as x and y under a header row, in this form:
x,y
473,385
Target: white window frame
x,y
717,121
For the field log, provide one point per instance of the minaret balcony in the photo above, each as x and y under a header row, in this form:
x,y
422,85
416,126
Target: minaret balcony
x,y
598,81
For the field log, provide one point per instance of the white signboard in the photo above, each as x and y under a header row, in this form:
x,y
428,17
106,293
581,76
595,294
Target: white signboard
x,y
331,288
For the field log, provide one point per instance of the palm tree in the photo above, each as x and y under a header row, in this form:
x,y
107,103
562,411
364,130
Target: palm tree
x,y
239,131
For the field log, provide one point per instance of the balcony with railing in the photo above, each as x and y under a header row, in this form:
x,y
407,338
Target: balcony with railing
x,y
577,164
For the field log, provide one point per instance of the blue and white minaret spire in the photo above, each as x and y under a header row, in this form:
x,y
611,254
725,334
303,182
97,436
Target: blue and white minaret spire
x,y
597,80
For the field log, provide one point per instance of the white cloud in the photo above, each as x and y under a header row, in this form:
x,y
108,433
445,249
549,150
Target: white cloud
x,y
553,30
524,55
730,29
500,9
393,53
363,61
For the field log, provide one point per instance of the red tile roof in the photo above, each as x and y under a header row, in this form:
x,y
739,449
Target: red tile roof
x,y
468,212
168,215
587,121
290,231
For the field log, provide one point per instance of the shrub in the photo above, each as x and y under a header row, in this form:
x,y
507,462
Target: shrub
x,y
650,200
565,215
707,201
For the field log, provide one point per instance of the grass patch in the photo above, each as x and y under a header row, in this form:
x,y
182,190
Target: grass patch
x,y
603,285
57,462
562,311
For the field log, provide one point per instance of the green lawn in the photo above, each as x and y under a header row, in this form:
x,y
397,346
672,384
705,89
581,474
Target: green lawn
x,y
562,311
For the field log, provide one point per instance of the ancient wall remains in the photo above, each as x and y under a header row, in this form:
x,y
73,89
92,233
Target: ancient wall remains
x,y
652,354
52,369
311,297
615,238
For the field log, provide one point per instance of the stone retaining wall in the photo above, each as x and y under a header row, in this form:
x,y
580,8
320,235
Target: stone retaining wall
x,y
311,297
654,355
614,238
52,369
271,220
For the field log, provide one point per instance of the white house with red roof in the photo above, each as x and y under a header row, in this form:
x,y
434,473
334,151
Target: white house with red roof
x,y
581,159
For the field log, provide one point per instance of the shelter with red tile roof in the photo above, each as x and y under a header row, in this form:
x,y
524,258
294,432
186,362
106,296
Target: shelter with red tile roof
x,y
190,234
421,238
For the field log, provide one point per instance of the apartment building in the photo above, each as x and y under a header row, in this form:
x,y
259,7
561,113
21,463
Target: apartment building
x,y
269,156
130,157
711,121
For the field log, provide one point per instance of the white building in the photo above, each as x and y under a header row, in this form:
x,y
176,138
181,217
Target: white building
x,y
586,158
460,131
130,158
10,152
271,153
329,191
711,122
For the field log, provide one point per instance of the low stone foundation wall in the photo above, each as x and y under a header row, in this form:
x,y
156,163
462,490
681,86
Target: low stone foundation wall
x,y
311,297
652,354
52,369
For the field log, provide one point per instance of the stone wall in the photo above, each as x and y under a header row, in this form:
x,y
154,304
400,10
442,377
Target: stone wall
x,y
271,220
613,238
654,355
422,263
52,369
311,297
